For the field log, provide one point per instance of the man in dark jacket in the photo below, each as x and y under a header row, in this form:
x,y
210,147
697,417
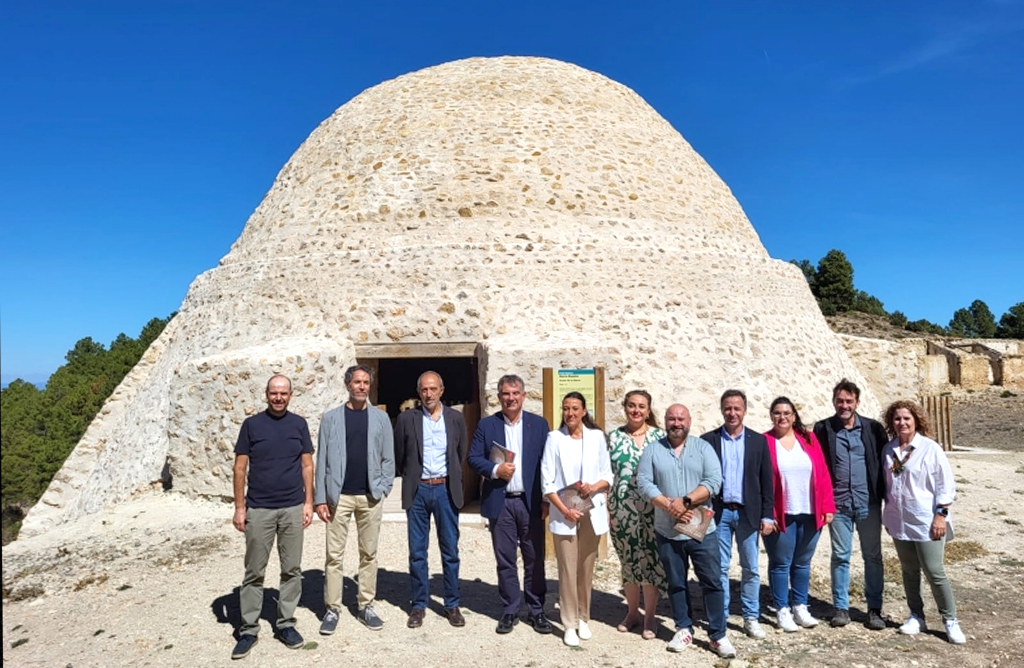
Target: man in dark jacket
x,y
853,451
744,507
430,445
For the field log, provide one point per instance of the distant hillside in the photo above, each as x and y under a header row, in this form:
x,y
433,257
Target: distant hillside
x,y
870,326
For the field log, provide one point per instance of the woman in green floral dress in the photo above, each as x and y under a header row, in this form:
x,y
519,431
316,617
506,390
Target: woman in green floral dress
x,y
632,516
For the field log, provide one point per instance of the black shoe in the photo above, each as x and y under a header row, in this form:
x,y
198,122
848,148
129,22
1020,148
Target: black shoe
x,y
875,620
415,618
539,623
291,638
841,618
244,646
506,623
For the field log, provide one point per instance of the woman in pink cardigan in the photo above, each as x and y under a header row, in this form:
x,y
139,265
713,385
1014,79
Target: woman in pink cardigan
x,y
803,505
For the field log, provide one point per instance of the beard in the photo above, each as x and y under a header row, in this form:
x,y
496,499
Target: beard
x,y
679,432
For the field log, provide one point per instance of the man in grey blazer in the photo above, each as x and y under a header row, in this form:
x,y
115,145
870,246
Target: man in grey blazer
x,y
430,446
355,468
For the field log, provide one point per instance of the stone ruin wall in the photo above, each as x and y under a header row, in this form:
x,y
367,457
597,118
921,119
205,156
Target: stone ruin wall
x,y
901,369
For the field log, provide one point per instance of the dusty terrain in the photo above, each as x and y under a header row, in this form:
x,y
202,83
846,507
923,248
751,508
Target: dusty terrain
x,y
154,583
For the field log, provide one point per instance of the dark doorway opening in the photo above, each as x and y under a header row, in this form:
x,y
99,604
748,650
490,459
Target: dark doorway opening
x,y
396,380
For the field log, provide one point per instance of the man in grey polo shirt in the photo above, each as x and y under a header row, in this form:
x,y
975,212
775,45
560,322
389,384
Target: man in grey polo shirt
x,y
679,473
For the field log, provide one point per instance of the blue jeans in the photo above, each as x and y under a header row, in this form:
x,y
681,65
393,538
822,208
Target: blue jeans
x,y
789,560
868,522
433,500
733,523
707,565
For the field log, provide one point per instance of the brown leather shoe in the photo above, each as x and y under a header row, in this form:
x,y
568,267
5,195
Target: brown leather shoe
x,y
454,616
415,618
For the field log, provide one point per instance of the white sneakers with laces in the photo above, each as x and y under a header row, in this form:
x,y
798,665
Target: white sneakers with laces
x,y
753,629
913,625
723,648
681,641
785,620
953,632
803,617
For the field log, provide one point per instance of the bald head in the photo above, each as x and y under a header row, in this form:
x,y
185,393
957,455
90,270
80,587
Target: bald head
x,y
677,423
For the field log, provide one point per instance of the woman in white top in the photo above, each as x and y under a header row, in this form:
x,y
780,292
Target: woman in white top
x,y
919,490
576,457
803,505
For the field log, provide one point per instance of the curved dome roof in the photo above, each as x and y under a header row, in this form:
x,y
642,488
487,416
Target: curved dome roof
x,y
475,149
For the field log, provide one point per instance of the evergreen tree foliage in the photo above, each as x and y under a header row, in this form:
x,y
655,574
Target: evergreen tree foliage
x,y
833,282
975,321
40,428
898,319
1011,325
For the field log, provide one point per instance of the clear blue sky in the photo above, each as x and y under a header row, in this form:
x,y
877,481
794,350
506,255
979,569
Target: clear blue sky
x,y
137,137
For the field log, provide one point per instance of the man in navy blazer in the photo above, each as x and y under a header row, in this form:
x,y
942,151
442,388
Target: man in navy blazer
x,y
430,446
744,508
512,502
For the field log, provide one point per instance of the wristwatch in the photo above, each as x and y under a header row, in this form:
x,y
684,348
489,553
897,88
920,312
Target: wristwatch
x,y
942,511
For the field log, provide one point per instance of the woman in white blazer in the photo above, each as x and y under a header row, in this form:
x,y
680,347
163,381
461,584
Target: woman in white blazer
x,y
576,469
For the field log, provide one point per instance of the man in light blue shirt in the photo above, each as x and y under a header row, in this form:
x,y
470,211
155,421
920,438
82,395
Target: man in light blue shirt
x,y
431,443
680,474
744,509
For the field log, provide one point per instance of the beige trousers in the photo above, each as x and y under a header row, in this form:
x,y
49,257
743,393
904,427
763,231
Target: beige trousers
x,y
576,557
368,512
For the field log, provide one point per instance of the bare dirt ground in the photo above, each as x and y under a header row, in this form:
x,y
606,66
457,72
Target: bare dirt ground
x,y
154,583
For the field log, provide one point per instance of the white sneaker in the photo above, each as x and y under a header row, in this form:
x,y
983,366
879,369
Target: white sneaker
x,y
570,638
785,620
680,641
585,633
723,648
802,616
753,629
913,625
953,632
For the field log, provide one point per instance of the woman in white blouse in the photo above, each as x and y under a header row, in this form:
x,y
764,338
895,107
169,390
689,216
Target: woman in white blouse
x,y
919,490
576,469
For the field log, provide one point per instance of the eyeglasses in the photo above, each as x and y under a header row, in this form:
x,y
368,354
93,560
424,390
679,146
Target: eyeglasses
x,y
782,414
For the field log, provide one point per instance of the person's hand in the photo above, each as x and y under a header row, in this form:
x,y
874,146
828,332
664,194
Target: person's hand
x,y
572,515
506,471
545,510
938,530
828,518
767,527
323,511
585,489
307,514
239,519
678,510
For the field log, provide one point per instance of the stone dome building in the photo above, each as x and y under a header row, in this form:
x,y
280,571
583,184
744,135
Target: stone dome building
x,y
486,216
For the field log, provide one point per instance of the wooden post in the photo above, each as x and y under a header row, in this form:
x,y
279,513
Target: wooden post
x,y
940,413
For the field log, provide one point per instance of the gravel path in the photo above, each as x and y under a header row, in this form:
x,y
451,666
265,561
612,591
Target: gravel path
x,y
154,583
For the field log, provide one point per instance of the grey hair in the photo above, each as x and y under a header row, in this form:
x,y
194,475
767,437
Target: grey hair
x,y
511,379
429,373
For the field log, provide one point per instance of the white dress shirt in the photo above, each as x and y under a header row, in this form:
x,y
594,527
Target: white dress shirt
x,y
567,461
912,496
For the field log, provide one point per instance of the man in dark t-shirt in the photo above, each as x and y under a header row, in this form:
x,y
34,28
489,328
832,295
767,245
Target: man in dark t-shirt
x,y
275,450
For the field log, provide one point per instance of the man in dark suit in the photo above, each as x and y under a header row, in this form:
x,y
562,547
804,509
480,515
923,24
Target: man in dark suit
x,y
853,447
744,507
430,446
512,502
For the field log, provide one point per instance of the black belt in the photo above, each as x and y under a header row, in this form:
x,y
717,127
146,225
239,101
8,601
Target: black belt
x,y
515,495
733,506
433,481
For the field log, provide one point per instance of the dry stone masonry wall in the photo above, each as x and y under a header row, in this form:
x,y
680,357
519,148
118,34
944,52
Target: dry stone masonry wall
x,y
541,212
